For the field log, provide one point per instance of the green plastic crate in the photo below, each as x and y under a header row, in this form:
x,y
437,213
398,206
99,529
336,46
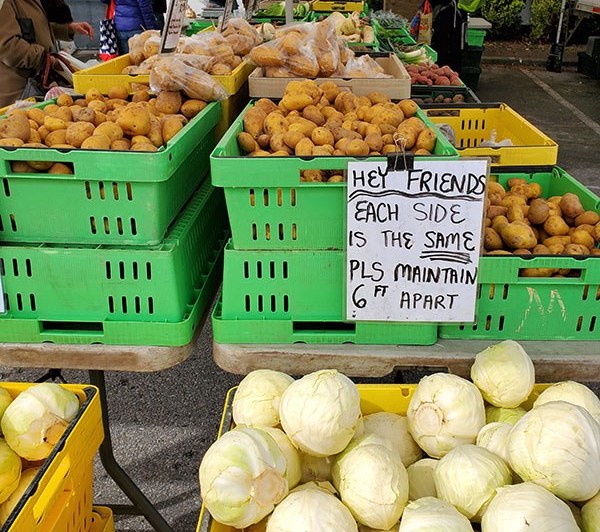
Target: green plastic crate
x,y
268,206
540,308
122,198
291,296
155,333
53,282
197,26
475,37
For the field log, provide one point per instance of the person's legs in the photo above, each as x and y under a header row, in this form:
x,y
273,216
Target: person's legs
x,y
122,38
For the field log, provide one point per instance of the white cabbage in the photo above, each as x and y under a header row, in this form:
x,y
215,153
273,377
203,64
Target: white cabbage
x,y
10,470
433,515
503,415
372,483
311,509
504,373
256,400
445,411
590,514
467,477
557,445
242,477
574,393
36,419
293,472
420,479
527,507
494,438
320,412
394,428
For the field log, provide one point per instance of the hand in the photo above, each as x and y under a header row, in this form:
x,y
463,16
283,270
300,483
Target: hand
x,y
83,28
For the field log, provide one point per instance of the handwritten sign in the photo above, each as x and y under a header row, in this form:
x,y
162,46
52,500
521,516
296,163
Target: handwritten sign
x,y
172,30
413,240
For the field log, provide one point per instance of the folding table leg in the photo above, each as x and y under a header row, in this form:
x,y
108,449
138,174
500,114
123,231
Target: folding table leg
x,y
141,505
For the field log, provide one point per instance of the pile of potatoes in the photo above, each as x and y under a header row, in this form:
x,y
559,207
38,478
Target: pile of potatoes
x,y
143,123
520,222
323,120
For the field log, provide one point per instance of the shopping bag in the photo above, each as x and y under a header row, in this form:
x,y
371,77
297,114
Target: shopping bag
x,y
108,35
425,23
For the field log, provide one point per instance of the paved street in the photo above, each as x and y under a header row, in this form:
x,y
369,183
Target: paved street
x,y
162,422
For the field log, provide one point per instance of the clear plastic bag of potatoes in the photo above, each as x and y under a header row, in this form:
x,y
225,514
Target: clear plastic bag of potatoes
x,y
364,67
179,73
136,45
241,36
210,43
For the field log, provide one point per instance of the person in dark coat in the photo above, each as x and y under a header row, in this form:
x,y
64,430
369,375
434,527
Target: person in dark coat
x,y
449,25
160,8
132,17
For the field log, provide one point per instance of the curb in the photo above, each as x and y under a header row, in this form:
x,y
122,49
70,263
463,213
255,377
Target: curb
x,y
517,61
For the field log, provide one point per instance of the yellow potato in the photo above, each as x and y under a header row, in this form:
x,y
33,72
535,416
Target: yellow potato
x,y
15,126
321,136
518,235
110,129
276,144
492,240
292,137
570,205
98,105
134,120
144,146
374,141
60,168
408,107
304,147
36,115
555,226
254,121
84,114
170,127
58,136
583,238
99,118
120,145
96,142
93,94
426,140
64,99
118,91
140,96
191,108
275,122
21,167
357,148
296,101
168,102
14,142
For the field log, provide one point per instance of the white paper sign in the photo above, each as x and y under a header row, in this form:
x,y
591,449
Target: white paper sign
x,y
173,24
414,240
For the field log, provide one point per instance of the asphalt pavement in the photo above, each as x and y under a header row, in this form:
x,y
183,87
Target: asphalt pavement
x,y
162,423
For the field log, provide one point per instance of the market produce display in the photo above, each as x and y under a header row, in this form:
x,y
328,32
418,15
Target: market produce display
x,y
520,222
542,472
32,423
277,10
353,28
222,52
313,49
96,122
323,120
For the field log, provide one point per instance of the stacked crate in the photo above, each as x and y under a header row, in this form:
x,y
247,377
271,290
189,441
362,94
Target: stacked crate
x,y
284,278
122,251
511,305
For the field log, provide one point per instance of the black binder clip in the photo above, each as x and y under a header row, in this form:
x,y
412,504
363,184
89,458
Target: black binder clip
x,y
398,161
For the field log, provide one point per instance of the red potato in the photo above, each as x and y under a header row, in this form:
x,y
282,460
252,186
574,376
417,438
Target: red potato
x,y
442,80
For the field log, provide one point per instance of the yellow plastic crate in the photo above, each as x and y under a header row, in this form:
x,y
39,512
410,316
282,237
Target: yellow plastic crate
x,y
102,519
60,496
473,124
107,75
373,398
323,5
